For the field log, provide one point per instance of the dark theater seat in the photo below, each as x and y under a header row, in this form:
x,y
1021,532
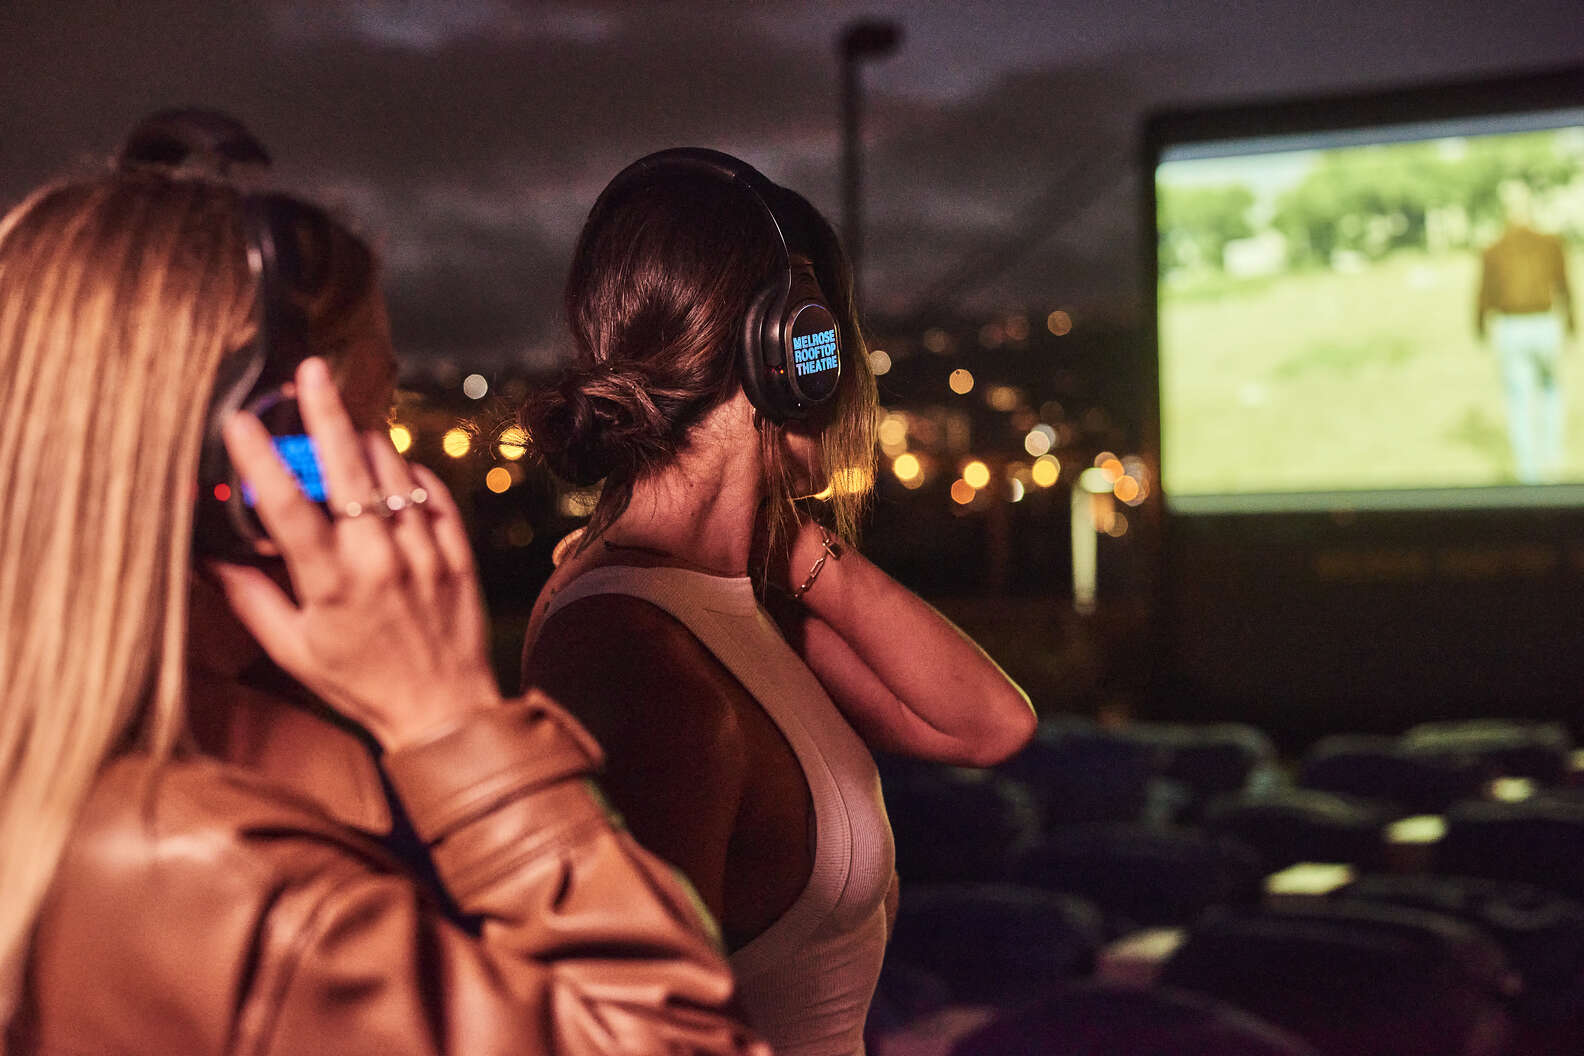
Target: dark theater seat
x,y
1302,825
1211,758
1355,979
1089,1019
994,944
1536,841
1141,875
1542,933
1504,747
1386,769
956,825
1080,771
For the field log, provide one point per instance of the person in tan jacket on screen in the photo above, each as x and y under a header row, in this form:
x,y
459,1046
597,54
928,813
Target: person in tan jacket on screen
x,y
1524,306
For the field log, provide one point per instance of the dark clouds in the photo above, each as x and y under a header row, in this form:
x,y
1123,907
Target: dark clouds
x,y
471,135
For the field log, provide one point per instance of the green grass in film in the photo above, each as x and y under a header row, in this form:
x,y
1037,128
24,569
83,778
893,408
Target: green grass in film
x,y
1326,380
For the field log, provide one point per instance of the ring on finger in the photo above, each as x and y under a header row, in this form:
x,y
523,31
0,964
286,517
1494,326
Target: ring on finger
x,y
397,503
376,504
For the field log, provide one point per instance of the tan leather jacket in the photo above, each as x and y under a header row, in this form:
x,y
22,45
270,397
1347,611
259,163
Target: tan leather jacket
x,y
246,906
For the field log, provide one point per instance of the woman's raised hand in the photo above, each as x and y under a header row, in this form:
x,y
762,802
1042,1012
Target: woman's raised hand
x,y
386,625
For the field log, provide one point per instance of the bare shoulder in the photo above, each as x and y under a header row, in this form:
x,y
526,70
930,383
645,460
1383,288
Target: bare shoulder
x,y
627,669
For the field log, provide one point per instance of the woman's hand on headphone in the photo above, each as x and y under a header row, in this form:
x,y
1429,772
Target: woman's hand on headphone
x,y
386,624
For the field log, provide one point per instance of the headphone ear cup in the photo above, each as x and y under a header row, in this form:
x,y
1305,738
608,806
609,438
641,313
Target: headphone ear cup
x,y
761,359
216,528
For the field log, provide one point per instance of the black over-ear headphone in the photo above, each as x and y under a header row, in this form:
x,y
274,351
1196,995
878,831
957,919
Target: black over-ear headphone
x,y
790,352
258,377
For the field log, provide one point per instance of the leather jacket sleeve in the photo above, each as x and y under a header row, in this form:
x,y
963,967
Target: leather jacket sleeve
x,y
203,909
584,943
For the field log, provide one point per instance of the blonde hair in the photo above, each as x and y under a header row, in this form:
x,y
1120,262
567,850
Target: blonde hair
x,y
119,297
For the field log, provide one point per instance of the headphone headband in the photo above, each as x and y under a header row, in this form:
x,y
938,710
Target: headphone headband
x,y
699,159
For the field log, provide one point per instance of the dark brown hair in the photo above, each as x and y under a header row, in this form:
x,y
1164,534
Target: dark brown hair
x,y
660,285
194,141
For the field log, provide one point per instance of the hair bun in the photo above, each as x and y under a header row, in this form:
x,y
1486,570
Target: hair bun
x,y
194,141
605,420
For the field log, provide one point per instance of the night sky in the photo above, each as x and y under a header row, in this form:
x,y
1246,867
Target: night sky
x,y
468,137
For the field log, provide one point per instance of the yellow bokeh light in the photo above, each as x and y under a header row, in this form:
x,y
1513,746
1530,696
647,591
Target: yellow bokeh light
x,y
401,438
1038,440
1046,471
456,442
961,381
879,361
893,433
498,479
907,468
962,492
1112,468
1003,397
513,442
1126,488
1058,323
977,474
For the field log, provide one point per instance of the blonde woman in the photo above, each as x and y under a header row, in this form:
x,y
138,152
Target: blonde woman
x,y
198,851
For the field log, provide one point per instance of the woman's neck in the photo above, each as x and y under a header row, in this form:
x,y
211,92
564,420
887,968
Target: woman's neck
x,y
699,511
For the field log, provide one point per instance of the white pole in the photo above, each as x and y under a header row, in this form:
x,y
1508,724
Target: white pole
x,y
1084,551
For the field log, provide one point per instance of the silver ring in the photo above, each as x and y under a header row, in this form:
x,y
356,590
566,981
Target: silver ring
x,y
397,503
353,510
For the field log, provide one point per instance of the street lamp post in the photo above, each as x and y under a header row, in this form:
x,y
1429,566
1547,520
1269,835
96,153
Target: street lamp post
x,y
864,39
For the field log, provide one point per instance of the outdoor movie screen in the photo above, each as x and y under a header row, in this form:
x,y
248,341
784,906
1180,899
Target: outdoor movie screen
x,y
1373,318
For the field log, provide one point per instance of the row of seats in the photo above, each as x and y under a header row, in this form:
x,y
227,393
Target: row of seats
x,y
1027,890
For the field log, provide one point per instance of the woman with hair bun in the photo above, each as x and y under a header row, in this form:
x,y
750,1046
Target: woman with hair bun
x,y
739,750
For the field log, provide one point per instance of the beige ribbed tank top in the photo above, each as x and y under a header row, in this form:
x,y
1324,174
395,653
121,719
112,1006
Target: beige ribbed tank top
x,y
807,980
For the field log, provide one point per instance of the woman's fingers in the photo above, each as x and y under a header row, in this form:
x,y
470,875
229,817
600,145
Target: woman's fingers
x,y
296,525
445,521
368,551
340,450
409,522
265,611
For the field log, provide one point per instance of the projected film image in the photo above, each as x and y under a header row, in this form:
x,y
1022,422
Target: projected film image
x,y
1390,320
